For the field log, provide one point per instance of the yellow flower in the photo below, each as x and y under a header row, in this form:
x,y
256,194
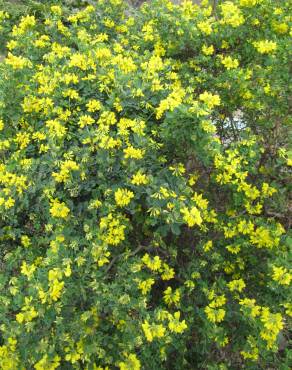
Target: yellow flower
x,y
234,249
153,264
173,100
27,270
80,61
250,304
20,317
231,14
153,331
56,9
281,275
237,285
253,353
17,62
107,118
113,230
28,312
148,31
263,238
59,209
171,297
229,63
273,324
93,105
25,241
85,120
139,179
168,272
280,27
131,363
54,274
145,285
9,203
135,153
268,190
175,325
208,246
94,204
25,23
217,301
191,217
56,288
208,50
56,128
249,3
123,197
215,315
205,27
288,308
178,169
48,364
65,169
209,99
265,46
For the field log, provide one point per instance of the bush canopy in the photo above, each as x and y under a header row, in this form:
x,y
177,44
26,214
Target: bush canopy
x,y
144,199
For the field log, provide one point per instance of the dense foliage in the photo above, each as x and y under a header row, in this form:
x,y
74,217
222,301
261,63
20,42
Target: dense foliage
x,y
144,187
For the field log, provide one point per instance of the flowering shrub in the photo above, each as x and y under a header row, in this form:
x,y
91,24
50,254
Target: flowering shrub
x,y
144,180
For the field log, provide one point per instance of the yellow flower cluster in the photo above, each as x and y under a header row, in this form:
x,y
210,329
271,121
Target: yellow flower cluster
x,y
236,285
249,3
145,285
27,270
231,14
133,153
265,46
85,120
8,355
175,325
131,363
48,364
56,286
59,209
229,63
191,216
214,311
123,197
171,297
65,169
281,275
264,238
273,324
139,178
153,331
112,228
209,99
153,264
93,105
24,25
173,100
25,241
3,16
208,50
17,62
253,351
28,312
205,27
